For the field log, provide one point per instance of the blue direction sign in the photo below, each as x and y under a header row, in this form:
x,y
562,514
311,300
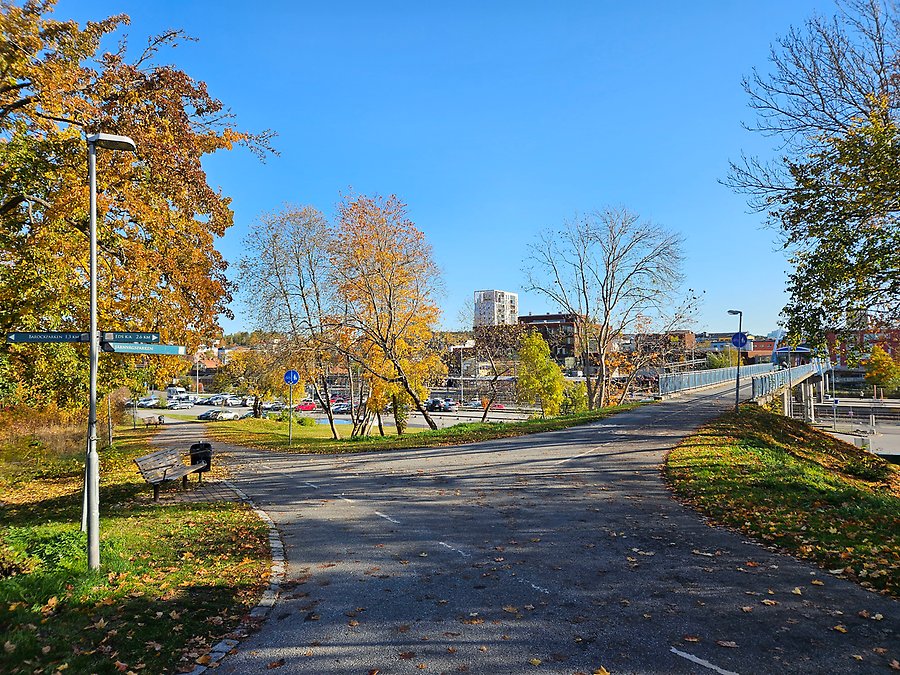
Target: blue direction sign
x,y
48,337
739,340
291,377
142,348
130,337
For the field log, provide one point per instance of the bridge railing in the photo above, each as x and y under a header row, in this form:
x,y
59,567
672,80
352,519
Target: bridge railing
x,y
695,379
769,384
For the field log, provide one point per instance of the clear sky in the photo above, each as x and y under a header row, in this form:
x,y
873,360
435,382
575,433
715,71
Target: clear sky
x,y
494,120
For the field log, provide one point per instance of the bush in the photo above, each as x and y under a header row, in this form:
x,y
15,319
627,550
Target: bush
x,y
51,548
868,468
306,421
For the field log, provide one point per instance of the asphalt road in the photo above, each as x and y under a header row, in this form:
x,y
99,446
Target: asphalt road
x,y
555,553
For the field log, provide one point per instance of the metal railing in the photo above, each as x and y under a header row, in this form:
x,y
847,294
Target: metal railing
x,y
772,383
675,382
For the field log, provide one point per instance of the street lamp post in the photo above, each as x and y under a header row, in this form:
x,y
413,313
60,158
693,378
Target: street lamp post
x,y
737,386
92,460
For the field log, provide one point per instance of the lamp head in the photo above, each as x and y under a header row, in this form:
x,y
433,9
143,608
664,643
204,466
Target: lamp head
x,y
735,311
112,142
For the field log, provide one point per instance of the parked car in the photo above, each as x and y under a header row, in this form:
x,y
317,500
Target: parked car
x,y
208,415
234,401
148,402
306,405
474,403
179,405
247,414
440,405
225,416
340,408
497,406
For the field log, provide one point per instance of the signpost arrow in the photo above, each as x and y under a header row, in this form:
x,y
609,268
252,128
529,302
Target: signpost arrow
x,y
141,348
48,337
130,337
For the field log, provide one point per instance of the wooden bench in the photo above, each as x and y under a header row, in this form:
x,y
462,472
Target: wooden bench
x,y
164,465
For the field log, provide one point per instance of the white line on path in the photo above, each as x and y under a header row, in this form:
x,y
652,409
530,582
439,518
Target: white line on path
x,y
379,513
586,452
701,662
314,487
349,501
455,550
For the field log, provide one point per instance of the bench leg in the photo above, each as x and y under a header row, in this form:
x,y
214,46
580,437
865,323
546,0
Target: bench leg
x,y
156,492
199,476
184,482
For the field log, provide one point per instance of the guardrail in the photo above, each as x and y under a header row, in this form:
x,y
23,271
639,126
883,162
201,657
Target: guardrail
x,y
772,383
675,382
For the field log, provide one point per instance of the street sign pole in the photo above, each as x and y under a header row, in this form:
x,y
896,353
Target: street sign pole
x,y
291,377
92,460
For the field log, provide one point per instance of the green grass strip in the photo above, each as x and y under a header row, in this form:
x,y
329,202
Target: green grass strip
x,y
797,489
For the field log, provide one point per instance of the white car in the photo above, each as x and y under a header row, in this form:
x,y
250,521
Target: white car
x,y
225,416
179,405
234,401
149,402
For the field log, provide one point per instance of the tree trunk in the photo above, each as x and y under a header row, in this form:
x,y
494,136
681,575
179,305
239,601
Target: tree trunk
x,y
325,400
380,425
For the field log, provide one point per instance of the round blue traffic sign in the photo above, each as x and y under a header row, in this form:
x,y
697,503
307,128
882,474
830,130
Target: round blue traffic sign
x,y
291,377
739,340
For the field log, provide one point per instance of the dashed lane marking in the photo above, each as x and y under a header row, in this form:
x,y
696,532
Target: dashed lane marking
x,y
702,662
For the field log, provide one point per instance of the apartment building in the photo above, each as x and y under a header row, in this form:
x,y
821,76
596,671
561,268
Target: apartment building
x,y
496,308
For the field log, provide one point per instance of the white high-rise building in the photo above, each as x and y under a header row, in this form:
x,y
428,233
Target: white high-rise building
x,y
496,308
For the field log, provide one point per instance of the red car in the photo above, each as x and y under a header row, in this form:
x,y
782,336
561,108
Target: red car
x,y
497,406
305,406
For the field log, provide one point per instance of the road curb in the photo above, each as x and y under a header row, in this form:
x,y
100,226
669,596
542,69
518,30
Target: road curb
x,y
269,597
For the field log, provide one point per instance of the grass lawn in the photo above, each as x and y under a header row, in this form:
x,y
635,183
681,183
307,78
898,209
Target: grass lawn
x,y
174,579
797,489
273,435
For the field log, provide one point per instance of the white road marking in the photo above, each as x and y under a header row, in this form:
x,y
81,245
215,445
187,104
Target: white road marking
x,y
586,452
314,487
379,513
455,550
702,662
349,501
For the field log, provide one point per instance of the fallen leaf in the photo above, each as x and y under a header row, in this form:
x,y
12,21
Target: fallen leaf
x,y
726,643
9,647
770,603
895,664
817,582
600,671
121,667
353,623
275,664
535,662
877,617
797,591
879,650
691,638
407,655
203,660
840,628
747,608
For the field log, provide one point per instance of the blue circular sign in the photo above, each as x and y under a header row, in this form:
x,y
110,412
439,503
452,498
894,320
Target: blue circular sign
x,y
739,340
291,377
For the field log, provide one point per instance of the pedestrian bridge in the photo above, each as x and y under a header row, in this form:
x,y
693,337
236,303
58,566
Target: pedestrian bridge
x,y
767,382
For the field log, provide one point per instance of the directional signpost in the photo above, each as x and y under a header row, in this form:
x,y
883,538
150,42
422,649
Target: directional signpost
x,y
739,340
48,336
141,348
291,377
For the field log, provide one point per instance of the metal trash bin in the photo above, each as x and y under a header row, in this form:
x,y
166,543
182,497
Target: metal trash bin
x,y
201,453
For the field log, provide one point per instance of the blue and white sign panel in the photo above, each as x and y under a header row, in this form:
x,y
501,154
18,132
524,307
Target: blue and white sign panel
x,y
291,377
739,340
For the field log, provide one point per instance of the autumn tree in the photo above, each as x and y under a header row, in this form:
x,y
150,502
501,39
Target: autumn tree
x,y
254,372
540,380
610,270
158,216
831,99
384,274
882,370
285,275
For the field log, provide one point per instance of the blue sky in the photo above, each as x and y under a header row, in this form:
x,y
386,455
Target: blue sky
x,y
495,120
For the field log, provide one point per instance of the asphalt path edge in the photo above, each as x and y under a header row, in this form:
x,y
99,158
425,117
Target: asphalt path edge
x,y
269,596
